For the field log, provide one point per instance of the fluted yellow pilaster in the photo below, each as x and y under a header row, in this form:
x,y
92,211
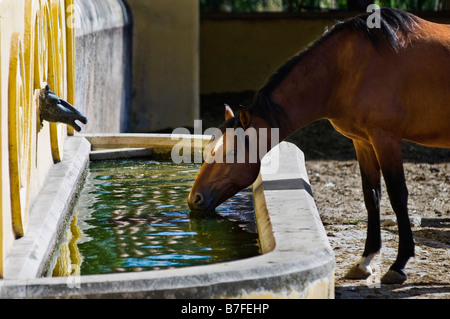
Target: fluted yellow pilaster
x,y
37,49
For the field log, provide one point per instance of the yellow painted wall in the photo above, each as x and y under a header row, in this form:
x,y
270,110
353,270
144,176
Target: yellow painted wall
x,y
165,64
36,49
238,52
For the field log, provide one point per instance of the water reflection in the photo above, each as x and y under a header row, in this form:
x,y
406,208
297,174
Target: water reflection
x,y
133,216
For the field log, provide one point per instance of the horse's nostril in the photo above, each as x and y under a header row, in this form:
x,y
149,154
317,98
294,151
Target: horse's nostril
x,y
198,199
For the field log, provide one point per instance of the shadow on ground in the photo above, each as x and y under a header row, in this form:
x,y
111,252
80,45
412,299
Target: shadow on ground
x,y
415,290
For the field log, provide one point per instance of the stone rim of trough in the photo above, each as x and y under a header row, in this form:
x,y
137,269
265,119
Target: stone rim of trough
x,y
297,259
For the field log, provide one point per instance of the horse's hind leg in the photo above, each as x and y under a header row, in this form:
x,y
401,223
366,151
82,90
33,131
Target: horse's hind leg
x,y
389,155
371,183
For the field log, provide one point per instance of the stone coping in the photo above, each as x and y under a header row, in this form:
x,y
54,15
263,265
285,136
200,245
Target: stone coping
x,y
48,213
298,261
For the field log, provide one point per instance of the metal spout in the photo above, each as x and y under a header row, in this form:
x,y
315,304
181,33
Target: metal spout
x,y
54,109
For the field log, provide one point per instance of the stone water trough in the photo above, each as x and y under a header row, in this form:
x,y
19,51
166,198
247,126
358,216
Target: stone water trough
x,y
296,261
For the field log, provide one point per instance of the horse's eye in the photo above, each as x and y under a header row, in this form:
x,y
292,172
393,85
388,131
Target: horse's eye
x,y
212,138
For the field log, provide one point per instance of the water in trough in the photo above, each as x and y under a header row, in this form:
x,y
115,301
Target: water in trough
x,y
132,215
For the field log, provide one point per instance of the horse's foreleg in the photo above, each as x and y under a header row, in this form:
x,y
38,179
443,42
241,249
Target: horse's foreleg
x,y
371,184
389,154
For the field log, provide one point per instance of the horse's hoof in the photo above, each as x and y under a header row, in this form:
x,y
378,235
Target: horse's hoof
x,y
393,277
358,272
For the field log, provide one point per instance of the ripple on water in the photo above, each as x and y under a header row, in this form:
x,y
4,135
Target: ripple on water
x,y
133,216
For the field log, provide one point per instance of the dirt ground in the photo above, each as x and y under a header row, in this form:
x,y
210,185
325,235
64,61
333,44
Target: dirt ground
x,y
338,196
335,180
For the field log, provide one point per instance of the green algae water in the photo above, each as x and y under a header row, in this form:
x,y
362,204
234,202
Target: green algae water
x,y
133,216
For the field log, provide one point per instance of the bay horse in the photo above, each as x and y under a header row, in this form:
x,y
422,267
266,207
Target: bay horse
x,y
377,86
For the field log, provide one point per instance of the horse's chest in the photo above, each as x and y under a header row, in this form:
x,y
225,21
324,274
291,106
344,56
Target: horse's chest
x,y
350,130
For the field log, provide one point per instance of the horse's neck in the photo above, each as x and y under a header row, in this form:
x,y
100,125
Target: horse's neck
x,y
306,93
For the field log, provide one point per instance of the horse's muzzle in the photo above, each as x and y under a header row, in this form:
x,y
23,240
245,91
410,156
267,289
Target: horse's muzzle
x,y
196,201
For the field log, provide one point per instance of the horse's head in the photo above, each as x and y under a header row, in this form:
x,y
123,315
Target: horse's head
x,y
232,164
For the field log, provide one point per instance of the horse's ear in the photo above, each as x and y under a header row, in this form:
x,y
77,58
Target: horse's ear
x,y
228,112
245,117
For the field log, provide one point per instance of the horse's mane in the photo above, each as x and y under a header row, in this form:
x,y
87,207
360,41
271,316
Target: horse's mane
x,y
393,24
